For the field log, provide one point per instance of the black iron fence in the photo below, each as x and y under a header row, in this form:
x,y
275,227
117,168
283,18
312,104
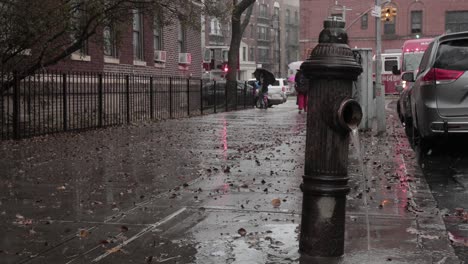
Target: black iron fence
x,y
51,102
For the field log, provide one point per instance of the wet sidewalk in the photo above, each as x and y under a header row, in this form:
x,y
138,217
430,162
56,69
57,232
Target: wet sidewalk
x,y
221,188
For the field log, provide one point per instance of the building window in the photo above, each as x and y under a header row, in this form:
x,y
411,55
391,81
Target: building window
x,y
252,32
157,34
296,17
416,22
182,38
244,53
456,21
263,11
251,54
288,16
263,33
79,19
276,12
364,21
215,27
110,41
263,55
389,27
138,51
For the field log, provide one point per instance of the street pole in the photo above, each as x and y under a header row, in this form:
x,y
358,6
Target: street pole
x,y
379,88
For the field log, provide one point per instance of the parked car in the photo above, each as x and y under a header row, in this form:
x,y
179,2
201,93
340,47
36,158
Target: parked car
x,y
438,97
411,54
276,92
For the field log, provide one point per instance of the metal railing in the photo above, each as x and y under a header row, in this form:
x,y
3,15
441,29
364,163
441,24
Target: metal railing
x,y
52,102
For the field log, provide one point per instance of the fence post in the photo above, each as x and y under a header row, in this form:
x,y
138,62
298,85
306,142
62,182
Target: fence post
x,y
16,106
127,92
151,99
214,94
100,101
245,95
64,102
201,97
188,97
170,97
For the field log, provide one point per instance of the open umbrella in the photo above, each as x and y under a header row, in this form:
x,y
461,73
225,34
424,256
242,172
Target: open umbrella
x,y
268,77
295,65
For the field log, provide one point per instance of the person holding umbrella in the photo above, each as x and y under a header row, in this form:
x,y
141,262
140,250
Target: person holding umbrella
x,y
265,78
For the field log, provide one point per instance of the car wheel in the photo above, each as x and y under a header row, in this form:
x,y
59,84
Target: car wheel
x,y
409,130
421,146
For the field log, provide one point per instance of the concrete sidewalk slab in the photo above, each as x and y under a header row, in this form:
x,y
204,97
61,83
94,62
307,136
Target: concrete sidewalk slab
x,y
214,189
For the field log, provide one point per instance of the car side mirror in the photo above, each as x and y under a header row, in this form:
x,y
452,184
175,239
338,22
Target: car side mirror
x,y
408,76
399,88
395,70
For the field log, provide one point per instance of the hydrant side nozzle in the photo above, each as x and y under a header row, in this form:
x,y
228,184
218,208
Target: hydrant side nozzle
x,y
349,114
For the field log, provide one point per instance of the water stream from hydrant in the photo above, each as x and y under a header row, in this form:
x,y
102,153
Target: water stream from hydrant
x,y
355,139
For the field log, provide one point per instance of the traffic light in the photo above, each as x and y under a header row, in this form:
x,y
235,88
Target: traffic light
x,y
394,12
225,67
388,13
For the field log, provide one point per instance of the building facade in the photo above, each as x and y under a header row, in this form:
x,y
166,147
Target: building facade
x,y
414,19
270,40
142,47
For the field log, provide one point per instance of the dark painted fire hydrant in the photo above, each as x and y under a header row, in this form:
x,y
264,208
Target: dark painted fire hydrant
x,y
330,69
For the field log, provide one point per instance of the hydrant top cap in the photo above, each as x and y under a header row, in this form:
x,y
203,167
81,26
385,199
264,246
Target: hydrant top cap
x,y
333,23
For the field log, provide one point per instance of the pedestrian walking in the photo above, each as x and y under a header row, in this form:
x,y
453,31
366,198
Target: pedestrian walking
x,y
263,94
302,87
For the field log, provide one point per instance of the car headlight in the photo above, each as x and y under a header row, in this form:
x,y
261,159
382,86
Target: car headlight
x,y
403,84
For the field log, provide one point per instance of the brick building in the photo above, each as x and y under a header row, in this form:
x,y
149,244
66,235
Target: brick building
x,y
270,40
414,19
143,47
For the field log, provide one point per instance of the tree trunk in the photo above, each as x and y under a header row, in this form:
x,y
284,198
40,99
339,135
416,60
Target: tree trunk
x,y
237,31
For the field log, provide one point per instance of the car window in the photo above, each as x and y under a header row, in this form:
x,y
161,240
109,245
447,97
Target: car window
x,y
276,83
453,55
285,82
425,58
389,63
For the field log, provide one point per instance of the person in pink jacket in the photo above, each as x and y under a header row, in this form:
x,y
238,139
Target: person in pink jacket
x,y
301,86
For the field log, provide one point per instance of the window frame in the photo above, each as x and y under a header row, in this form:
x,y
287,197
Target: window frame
x,y
457,24
158,34
110,41
181,37
138,35
413,22
389,27
365,21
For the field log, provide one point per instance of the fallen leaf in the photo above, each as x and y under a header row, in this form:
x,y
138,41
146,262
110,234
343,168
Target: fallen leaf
x,y
61,188
276,203
83,233
123,228
242,232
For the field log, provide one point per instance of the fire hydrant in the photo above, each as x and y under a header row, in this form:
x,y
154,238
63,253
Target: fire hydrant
x,y
331,69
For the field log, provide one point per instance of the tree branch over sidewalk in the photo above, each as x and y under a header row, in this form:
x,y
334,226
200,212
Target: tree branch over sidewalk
x,y
36,34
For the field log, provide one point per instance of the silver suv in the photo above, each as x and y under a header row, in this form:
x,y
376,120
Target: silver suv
x,y
439,96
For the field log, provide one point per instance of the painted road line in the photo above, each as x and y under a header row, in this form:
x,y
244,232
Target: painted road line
x,y
139,234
